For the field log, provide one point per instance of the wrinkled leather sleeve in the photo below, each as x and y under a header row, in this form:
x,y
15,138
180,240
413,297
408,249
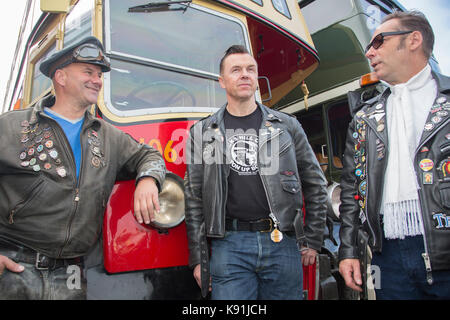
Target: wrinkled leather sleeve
x,y
193,197
314,186
349,208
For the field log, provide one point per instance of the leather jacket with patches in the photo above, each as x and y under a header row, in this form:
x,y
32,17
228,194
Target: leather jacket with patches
x,y
43,206
293,173
362,181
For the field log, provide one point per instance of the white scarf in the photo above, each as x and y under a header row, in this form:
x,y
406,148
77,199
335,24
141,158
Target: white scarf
x,y
406,118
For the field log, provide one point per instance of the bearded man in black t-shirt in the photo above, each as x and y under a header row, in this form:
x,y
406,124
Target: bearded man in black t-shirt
x,y
248,168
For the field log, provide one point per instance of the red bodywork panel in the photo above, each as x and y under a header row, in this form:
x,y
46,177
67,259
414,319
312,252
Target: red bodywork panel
x,y
309,281
128,245
279,65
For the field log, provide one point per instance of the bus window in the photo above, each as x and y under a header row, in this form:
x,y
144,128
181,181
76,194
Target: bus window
x,y
173,36
78,23
40,83
338,117
319,16
384,7
136,88
312,123
281,7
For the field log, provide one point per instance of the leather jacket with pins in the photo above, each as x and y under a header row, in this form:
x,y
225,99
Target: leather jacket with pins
x,y
362,180
43,206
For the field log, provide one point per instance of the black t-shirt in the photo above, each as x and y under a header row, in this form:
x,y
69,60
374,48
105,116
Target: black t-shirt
x,y
246,196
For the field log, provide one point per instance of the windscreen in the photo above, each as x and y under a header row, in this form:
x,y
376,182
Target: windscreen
x,y
167,56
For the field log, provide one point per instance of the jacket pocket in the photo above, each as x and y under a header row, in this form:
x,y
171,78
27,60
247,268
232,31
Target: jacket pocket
x,y
445,148
291,186
24,203
444,191
285,148
443,172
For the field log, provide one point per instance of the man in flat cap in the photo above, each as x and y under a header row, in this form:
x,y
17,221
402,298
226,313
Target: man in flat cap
x,y
58,165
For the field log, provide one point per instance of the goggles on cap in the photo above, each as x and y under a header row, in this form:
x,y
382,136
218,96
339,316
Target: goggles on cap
x,y
379,38
89,52
86,53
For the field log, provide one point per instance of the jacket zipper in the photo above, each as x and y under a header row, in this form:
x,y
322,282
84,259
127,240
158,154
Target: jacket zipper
x,y
267,195
425,255
76,198
260,176
11,216
227,169
77,181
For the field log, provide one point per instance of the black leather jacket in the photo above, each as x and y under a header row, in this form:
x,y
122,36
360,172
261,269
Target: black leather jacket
x,y
362,190
295,172
42,204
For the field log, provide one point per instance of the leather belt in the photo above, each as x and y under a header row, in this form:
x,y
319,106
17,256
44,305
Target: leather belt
x,y
262,225
23,254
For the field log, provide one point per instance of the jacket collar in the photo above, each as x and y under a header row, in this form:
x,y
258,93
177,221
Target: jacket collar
x,y
443,82
48,101
378,105
439,112
267,115
375,114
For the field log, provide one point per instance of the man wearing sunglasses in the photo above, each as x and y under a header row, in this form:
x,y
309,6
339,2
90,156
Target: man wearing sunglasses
x,y
396,178
58,166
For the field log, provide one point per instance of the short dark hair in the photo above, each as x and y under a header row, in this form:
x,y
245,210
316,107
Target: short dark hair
x,y
416,21
236,48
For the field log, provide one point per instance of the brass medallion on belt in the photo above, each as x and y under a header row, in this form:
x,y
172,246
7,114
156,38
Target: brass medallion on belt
x,y
276,235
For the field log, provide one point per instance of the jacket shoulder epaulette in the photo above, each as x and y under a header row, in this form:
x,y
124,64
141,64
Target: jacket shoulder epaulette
x,y
288,114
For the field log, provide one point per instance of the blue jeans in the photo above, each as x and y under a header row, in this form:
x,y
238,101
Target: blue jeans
x,y
33,284
64,283
403,274
250,266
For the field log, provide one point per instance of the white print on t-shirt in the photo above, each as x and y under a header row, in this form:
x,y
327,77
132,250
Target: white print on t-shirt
x,y
244,153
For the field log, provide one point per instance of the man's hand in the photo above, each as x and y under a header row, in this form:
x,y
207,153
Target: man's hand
x,y
10,265
146,200
351,272
198,277
308,256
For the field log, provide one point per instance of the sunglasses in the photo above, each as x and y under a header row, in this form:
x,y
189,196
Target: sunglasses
x,y
379,38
